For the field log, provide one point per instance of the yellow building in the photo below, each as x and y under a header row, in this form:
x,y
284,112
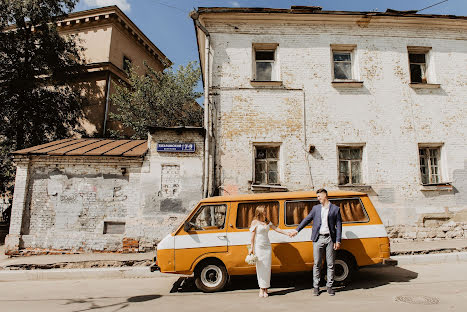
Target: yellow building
x,y
110,39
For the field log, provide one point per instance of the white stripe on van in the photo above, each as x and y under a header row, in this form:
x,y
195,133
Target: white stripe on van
x,y
244,238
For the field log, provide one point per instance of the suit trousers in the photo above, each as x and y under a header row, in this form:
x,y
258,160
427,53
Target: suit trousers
x,y
320,247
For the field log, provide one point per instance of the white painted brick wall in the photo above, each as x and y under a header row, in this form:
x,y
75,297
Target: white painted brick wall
x,y
386,114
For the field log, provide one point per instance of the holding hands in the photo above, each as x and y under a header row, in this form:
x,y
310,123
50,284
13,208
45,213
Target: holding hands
x,y
292,233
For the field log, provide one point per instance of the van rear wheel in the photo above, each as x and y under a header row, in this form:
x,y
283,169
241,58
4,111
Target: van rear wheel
x,y
211,277
344,267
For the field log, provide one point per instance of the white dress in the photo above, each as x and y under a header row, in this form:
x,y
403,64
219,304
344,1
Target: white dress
x,y
263,252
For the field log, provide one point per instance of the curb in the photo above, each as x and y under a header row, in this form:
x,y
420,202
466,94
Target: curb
x,y
431,258
61,274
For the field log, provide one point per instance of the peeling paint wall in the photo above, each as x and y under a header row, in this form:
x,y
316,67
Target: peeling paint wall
x,y
387,116
64,203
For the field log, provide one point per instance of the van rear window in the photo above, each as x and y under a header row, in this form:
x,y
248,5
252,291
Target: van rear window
x,y
246,213
352,210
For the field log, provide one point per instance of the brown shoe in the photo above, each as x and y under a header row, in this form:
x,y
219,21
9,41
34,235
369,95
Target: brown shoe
x,y
315,291
331,291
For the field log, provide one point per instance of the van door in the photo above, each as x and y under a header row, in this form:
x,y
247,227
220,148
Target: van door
x,y
205,232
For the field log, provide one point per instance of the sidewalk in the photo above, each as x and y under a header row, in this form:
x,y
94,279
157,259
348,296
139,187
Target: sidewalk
x,y
108,265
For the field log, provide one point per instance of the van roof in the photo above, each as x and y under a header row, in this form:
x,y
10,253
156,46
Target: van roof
x,y
277,195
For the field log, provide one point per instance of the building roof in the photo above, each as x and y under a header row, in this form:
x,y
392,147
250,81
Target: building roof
x,y
277,196
89,147
82,18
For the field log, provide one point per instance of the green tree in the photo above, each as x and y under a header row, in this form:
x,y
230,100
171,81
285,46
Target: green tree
x,y
40,102
162,99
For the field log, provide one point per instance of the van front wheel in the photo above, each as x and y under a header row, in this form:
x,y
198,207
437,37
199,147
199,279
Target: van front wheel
x,y
211,277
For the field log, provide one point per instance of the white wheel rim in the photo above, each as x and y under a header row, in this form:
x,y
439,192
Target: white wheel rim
x,y
345,269
211,275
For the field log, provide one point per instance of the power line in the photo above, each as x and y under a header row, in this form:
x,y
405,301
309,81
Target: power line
x,y
173,7
432,5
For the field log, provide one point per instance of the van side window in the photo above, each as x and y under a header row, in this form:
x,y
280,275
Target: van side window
x,y
246,213
209,217
296,211
352,210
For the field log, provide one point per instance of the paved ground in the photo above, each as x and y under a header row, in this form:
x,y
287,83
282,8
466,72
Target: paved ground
x,y
435,287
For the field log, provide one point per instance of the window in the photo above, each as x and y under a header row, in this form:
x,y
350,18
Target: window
x,y
265,61
352,210
296,211
418,61
266,165
114,227
430,164
209,217
342,65
350,165
126,63
246,213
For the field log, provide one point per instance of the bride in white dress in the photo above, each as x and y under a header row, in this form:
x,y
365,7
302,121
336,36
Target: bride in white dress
x,y
261,247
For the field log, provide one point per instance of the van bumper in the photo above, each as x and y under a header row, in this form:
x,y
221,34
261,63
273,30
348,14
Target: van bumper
x,y
390,262
154,267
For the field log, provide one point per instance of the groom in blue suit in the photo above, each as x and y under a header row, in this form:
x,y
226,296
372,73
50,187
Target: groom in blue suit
x,y
326,236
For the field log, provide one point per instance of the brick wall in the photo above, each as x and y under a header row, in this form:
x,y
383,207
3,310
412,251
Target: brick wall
x,y
386,116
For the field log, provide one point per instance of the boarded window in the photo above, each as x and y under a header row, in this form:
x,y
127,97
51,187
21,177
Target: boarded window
x,y
209,217
114,227
417,67
350,165
266,165
265,61
342,65
246,213
430,164
352,210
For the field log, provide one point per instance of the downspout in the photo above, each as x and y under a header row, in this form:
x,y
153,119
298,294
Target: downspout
x,y
207,139
107,96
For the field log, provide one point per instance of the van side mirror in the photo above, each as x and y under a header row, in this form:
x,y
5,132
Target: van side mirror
x,y
187,226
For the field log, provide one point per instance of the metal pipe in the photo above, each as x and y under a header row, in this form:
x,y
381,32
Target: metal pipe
x,y
195,15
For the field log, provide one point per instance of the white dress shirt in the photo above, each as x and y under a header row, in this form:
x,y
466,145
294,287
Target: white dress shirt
x,y
324,229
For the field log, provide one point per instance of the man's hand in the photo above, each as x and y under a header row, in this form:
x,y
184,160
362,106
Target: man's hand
x,y
337,245
293,233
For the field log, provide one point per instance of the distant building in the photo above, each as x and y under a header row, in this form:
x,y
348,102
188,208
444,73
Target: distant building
x,y
110,40
302,98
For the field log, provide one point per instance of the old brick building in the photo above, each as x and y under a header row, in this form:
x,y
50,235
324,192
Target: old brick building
x,y
303,98
79,195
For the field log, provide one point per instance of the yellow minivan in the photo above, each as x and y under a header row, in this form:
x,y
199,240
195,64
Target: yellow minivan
x,y
212,241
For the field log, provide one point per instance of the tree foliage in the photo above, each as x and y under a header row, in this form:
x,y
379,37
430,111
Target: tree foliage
x,y
38,67
161,99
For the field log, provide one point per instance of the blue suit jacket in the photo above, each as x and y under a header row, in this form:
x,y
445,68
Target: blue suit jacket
x,y
334,222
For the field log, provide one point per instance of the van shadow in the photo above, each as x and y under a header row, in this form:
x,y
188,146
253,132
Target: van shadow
x,y
285,283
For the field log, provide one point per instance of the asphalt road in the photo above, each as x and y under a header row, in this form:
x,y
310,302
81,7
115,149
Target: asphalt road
x,y
434,287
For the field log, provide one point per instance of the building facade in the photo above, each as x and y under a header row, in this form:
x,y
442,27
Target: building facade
x,y
78,195
111,41
302,98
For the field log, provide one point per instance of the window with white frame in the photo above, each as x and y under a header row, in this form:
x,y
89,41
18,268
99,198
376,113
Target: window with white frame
x,y
350,165
265,62
430,164
266,165
418,61
343,62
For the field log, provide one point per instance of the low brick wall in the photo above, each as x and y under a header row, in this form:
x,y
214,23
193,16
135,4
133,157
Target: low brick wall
x,y
428,232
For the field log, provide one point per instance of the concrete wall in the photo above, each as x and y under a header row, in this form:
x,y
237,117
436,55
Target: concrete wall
x,y
387,116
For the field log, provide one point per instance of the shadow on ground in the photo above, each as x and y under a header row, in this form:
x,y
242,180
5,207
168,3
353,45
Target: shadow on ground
x,y
91,303
282,284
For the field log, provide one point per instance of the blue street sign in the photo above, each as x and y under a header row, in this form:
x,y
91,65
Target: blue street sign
x,y
176,147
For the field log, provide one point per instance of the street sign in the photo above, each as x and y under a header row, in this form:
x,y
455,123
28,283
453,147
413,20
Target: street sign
x,y
176,147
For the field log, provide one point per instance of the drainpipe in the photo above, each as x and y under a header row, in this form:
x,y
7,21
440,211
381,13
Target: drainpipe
x,y
207,174
107,96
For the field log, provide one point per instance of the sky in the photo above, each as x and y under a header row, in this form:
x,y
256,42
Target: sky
x,y
167,24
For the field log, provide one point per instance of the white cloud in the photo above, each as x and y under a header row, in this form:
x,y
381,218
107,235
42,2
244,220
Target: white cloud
x,y
234,4
122,4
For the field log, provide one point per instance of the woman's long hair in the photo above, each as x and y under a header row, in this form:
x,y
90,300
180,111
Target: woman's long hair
x,y
260,214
